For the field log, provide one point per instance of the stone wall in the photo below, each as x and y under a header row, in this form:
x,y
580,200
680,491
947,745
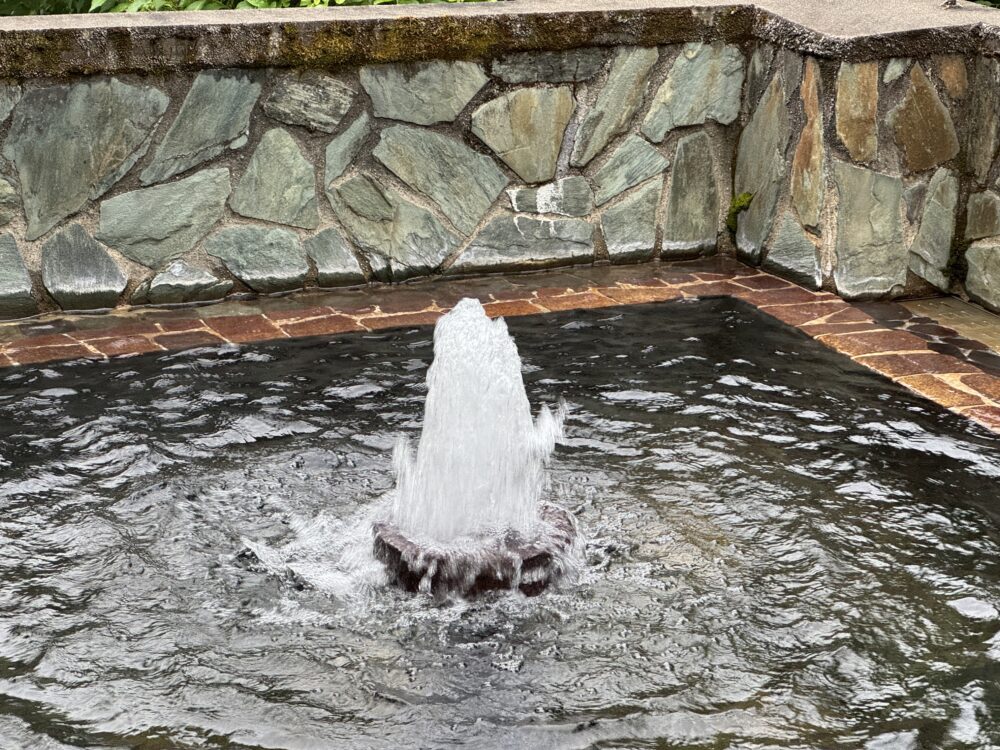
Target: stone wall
x,y
870,178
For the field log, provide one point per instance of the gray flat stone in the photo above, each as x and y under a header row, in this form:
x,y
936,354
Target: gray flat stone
x,y
792,64
982,117
510,243
423,93
407,238
343,149
634,161
758,74
565,66
181,282
630,225
311,99
214,117
704,83
983,216
79,273
931,248
15,283
569,196
525,128
96,131
871,257
266,260
335,263
895,69
156,224
10,95
760,168
692,221
982,281
616,103
279,184
10,202
463,183
792,254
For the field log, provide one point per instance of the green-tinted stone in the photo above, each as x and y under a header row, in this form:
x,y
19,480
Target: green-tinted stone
x,y
214,117
982,280
343,149
72,143
15,284
983,216
424,92
279,184
704,84
629,226
79,273
525,128
616,103
311,99
180,282
569,196
266,260
634,161
871,257
390,230
463,183
565,66
156,224
510,243
692,221
895,69
335,263
10,202
931,248
792,254
982,117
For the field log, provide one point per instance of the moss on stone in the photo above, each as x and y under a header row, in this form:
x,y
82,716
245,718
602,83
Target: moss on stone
x,y
738,205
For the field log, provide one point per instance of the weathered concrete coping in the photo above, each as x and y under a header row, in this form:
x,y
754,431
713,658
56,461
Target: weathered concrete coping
x,y
41,46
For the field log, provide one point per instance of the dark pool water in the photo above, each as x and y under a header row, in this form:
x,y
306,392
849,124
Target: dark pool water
x,y
783,550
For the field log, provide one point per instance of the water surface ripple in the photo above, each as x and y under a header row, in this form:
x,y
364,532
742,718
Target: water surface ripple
x,y
783,551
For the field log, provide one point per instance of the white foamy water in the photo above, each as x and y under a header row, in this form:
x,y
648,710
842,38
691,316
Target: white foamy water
x,y
479,465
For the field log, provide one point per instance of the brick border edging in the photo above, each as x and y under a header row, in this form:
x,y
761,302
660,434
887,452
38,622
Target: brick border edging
x,y
901,356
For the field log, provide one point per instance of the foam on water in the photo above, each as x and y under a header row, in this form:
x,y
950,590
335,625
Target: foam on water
x,y
478,468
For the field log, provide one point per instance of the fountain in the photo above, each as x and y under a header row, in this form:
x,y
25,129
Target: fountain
x,y
466,517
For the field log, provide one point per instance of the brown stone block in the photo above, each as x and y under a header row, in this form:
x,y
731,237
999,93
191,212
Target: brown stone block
x,y
637,295
401,320
791,296
126,346
244,328
938,391
713,289
880,341
587,300
512,308
763,282
171,325
987,385
323,326
123,328
284,316
34,342
39,354
900,365
806,312
188,339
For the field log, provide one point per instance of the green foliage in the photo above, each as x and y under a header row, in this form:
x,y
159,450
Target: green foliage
x,y
43,7
739,204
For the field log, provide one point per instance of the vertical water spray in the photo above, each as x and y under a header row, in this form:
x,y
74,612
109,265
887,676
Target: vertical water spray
x,y
466,516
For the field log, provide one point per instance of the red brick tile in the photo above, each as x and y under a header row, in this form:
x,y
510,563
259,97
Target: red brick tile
x,y
875,342
45,340
821,329
988,416
806,312
401,320
171,325
987,385
899,365
402,300
125,328
325,326
763,282
5,361
512,308
587,300
244,328
637,295
40,354
711,289
301,313
126,345
849,314
940,392
187,339
791,296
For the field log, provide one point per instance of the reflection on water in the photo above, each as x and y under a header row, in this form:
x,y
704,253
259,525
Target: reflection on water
x,y
782,551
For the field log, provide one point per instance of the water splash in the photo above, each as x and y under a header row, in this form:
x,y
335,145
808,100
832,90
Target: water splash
x,y
479,467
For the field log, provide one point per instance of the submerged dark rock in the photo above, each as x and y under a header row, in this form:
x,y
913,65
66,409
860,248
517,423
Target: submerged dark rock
x,y
502,563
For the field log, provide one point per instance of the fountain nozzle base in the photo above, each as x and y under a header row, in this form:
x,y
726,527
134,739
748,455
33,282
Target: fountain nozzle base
x,y
506,562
